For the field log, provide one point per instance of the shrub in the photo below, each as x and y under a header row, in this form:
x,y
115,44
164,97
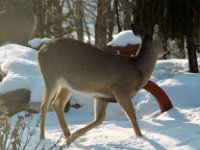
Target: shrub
x,y
12,138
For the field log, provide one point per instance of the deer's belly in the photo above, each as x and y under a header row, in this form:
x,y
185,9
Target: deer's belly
x,y
88,91
93,94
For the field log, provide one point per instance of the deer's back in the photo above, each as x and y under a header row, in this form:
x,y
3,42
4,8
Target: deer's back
x,y
83,66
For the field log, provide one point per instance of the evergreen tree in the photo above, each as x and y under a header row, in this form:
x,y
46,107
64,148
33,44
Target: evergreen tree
x,y
177,19
181,18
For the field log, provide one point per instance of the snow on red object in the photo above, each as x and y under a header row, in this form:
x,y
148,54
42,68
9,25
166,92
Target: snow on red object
x,y
126,43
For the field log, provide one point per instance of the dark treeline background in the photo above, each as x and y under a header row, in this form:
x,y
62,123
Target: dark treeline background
x,y
98,20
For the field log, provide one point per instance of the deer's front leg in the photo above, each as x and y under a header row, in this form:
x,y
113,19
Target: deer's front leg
x,y
127,106
100,112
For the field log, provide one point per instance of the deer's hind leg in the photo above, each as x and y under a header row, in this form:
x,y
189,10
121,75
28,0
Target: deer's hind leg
x,y
59,103
100,107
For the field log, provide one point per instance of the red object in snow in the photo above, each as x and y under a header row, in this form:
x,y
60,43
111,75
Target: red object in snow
x,y
161,97
128,50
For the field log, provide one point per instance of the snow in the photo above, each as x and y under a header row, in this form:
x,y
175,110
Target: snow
x,y
125,38
20,64
179,128
37,42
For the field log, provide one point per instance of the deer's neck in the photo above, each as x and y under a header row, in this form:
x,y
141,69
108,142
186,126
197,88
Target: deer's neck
x,y
147,57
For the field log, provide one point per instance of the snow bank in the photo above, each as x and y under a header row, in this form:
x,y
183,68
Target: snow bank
x,y
20,64
183,90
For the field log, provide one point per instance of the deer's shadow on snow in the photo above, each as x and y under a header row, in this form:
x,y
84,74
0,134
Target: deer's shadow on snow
x,y
185,131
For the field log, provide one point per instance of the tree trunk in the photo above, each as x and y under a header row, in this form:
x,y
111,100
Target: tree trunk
x,y
87,30
116,3
192,56
39,9
180,43
111,19
101,24
79,14
126,7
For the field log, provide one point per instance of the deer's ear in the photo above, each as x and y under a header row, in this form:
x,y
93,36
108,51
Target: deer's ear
x,y
136,30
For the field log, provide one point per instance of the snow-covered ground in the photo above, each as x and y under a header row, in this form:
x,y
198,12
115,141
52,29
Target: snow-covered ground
x,y
178,128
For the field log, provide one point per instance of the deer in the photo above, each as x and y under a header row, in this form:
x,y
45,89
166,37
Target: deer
x,y
70,66
17,24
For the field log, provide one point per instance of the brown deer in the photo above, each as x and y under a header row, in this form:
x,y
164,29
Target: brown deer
x,y
17,24
71,66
